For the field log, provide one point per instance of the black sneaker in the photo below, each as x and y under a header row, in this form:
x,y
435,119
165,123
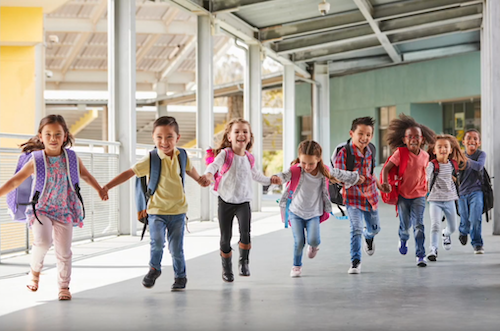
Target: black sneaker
x,y
369,246
150,278
463,239
478,250
179,284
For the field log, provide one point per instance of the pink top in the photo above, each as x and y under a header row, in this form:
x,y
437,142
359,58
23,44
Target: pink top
x,y
414,182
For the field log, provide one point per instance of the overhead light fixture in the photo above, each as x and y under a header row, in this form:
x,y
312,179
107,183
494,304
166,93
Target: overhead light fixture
x,y
324,7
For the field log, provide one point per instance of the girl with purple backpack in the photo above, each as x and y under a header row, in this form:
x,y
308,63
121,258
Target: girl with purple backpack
x,y
59,207
233,170
305,201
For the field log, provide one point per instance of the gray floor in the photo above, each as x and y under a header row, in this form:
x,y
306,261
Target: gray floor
x,y
459,292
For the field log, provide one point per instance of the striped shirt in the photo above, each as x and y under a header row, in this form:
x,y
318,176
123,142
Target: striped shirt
x,y
363,196
444,188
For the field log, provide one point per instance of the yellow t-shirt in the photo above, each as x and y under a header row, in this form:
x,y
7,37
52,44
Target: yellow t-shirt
x,y
169,197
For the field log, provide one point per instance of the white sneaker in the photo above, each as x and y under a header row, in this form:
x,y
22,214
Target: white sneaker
x,y
369,246
433,254
296,271
446,242
355,267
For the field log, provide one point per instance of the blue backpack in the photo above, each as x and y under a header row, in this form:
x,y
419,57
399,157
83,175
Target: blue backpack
x,y
144,190
31,190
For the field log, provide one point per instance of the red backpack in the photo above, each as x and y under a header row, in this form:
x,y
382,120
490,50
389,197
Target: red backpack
x,y
395,177
228,161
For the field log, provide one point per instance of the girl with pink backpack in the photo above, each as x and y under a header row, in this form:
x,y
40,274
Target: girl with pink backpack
x,y
57,206
232,171
305,202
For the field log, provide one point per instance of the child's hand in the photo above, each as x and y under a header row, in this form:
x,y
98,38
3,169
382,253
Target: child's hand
x,y
385,188
203,181
275,180
103,193
361,180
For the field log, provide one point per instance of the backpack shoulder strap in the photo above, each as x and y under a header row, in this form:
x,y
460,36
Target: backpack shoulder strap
x,y
73,167
154,171
228,160
373,149
182,163
251,158
294,181
404,156
350,158
454,163
40,173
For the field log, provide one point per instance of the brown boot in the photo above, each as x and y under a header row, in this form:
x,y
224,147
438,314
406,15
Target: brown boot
x,y
227,267
243,263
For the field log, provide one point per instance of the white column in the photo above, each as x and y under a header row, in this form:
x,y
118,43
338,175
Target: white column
x,y
204,102
39,84
490,98
255,106
122,102
161,90
321,109
289,117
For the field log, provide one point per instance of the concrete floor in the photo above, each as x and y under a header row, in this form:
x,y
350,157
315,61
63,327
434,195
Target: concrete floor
x,y
459,292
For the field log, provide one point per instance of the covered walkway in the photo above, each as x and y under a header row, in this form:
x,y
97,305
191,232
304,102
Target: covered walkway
x,y
461,291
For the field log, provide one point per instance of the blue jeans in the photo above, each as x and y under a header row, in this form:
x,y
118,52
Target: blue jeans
x,y
173,225
299,225
411,213
470,207
357,228
436,210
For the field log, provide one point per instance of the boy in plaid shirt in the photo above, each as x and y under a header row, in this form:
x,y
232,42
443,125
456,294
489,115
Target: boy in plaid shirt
x,y
361,200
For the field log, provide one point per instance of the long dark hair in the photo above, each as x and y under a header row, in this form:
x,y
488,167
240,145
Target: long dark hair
x,y
35,144
310,147
397,129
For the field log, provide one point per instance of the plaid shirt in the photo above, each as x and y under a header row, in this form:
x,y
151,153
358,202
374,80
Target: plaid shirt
x,y
364,196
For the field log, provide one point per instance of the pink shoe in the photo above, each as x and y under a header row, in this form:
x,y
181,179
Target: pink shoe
x,y
296,271
312,251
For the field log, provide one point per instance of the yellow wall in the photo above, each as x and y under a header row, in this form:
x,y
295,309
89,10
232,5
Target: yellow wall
x,y
21,28
21,25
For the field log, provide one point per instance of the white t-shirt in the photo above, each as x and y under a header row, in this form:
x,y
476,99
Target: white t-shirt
x,y
236,184
308,201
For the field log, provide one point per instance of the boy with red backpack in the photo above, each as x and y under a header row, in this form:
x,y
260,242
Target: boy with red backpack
x,y
361,200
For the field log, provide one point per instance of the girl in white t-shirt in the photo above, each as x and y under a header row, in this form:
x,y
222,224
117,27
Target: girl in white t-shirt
x,y
310,201
233,170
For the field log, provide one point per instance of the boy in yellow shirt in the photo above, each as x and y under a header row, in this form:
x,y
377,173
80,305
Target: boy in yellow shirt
x,y
168,206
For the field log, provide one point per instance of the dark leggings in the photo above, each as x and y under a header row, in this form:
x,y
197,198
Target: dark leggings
x,y
227,211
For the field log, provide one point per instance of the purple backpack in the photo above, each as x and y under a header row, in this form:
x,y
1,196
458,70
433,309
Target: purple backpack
x,y
30,191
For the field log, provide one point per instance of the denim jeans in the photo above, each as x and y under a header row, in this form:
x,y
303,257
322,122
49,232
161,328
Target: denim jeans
x,y
173,225
299,225
470,207
411,213
436,210
357,228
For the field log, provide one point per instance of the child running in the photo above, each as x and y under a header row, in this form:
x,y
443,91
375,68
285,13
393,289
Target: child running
x,y
445,154
470,203
406,133
310,202
168,206
58,209
236,170
361,201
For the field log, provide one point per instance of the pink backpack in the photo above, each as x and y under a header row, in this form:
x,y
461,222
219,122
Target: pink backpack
x,y
290,188
228,161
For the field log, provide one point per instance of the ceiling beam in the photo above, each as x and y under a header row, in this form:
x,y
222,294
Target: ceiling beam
x,y
141,53
95,76
234,5
440,52
53,24
415,7
175,62
74,86
349,65
366,8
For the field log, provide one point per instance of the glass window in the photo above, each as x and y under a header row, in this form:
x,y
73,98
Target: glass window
x,y
386,115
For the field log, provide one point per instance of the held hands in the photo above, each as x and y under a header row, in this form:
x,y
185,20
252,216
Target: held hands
x,y
204,180
385,188
361,180
103,193
275,180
